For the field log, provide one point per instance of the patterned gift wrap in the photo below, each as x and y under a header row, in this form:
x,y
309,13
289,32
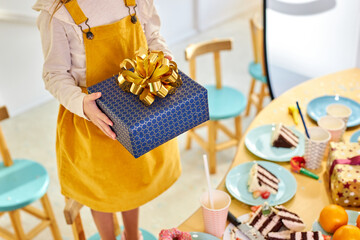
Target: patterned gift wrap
x,y
141,128
344,172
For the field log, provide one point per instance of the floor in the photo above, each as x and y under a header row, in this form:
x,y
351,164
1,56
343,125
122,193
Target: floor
x,y
32,135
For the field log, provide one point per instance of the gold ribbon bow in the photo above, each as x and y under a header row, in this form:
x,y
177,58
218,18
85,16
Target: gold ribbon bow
x,y
150,74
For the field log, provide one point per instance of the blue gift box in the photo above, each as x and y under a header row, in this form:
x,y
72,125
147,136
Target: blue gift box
x,y
140,128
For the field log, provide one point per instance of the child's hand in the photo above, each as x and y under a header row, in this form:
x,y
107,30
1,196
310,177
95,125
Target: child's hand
x,y
168,57
93,113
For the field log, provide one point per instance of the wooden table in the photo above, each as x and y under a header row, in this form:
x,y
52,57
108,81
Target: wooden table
x,y
311,195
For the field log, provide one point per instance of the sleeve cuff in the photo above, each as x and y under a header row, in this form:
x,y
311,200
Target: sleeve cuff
x,y
77,106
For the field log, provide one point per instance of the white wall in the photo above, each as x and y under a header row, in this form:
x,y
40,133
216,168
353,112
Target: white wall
x,y
184,18
178,20
213,12
318,44
21,86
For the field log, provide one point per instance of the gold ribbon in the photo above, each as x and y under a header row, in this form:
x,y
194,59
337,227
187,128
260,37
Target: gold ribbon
x,y
148,75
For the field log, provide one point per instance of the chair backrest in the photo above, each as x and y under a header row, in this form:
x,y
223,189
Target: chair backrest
x,y
5,153
257,37
214,46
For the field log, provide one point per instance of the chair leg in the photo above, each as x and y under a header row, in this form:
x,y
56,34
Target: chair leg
x,y
117,228
50,214
238,127
216,133
252,86
16,222
188,140
212,146
261,98
78,230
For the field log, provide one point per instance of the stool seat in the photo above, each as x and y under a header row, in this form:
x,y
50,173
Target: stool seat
x,y
147,235
225,103
255,71
21,184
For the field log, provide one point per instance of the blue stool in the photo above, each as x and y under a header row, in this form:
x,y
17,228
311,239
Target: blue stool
x,y
256,68
22,182
224,102
146,235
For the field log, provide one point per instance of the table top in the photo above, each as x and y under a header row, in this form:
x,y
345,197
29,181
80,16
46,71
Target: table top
x,y
312,195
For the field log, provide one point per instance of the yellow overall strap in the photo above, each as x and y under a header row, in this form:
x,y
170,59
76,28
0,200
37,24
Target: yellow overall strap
x,y
75,11
129,3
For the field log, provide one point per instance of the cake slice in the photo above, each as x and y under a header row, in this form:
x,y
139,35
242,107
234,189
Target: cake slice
x,y
262,180
310,235
290,220
283,137
283,235
265,220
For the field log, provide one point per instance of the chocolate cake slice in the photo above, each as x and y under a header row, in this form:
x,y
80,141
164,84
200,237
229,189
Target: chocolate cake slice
x,y
283,137
263,180
265,220
290,220
283,235
306,236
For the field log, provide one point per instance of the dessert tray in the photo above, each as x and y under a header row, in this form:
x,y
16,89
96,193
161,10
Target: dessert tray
x,y
258,141
352,221
237,178
316,108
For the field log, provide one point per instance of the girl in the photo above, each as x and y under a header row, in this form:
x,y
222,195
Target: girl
x,y
84,42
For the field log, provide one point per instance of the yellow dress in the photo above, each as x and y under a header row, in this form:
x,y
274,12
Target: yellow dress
x,y
94,169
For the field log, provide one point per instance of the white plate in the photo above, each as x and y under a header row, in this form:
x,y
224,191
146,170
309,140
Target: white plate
x,y
239,234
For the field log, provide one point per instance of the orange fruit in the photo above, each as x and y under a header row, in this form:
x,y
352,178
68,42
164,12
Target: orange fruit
x,y
332,217
348,232
358,221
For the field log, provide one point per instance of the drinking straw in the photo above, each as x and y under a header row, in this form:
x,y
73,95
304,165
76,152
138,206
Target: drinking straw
x,y
208,181
302,118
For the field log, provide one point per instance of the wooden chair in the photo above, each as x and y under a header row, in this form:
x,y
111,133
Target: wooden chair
x,y
257,67
21,183
73,218
224,102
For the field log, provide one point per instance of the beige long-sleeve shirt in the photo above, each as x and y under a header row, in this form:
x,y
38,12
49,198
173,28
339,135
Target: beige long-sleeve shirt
x,y
64,69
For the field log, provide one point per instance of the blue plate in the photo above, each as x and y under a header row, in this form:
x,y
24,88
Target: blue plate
x,y
316,108
237,178
354,138
202,236
352,221
258,141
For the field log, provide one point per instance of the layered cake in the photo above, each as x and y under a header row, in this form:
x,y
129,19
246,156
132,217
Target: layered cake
x,y
289,235
261,179
307,236
283,235
276,223
290,220
283,137
265,220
